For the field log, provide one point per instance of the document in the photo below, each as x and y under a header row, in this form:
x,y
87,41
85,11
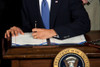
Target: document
x,y
28,40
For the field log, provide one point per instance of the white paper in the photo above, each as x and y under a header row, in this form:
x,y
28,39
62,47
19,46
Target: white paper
x,y
27,39
73,40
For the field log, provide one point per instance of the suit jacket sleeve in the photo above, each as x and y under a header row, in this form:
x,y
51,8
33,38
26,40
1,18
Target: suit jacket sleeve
x,y
80,23
26,22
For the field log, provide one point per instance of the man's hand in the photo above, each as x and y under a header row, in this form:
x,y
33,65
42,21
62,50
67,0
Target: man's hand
x,y
14,31
39,33
85,1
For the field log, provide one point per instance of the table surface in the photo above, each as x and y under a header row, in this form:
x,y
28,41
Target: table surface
x,y
52,51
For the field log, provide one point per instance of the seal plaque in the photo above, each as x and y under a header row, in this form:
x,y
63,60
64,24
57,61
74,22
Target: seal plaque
x,y
71,57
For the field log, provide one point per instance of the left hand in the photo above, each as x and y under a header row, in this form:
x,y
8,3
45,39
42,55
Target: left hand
x,y
85,1
39,33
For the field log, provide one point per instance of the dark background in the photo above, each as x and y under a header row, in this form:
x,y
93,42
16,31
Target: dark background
x,y
9,16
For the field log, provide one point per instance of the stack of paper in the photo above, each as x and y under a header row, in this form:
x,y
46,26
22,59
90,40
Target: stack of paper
x,y
27,39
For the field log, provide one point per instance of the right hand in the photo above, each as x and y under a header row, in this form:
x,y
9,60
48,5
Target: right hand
x,y
14,31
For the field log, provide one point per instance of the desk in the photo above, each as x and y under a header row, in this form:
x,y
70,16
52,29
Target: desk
x,y
43,56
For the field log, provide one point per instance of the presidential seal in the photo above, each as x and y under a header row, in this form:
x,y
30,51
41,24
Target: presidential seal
x,y
71,57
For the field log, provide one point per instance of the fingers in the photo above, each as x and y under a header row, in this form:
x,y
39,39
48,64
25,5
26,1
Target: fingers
x,y
34,35
14,32
43,33
38,33
17,30
21,32
7,34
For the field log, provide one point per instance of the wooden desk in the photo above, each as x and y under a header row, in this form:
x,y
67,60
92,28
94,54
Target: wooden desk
x,y
43,56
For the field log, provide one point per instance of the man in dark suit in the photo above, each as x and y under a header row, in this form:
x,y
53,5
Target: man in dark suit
x,y
68,18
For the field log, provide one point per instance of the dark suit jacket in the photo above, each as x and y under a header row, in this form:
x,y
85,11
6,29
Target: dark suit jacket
x,y
67,17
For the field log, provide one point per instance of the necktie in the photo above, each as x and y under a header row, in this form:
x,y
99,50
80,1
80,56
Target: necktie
x,y
45,13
